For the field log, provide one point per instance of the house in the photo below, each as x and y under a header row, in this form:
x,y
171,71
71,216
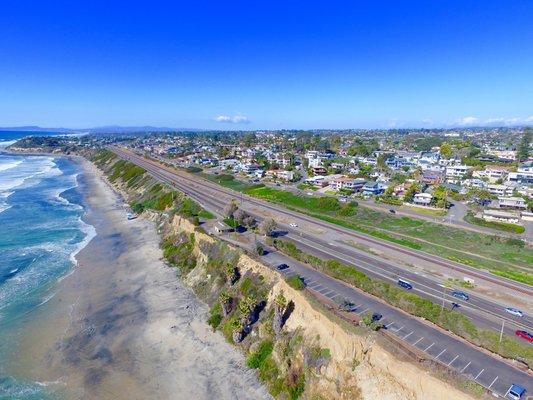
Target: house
x,y
399,190
512,202
318,181
249,168
523,176
319,170
372,188
423,199
228,163
500,190
280,174
457,171
431,177
344,182
501,216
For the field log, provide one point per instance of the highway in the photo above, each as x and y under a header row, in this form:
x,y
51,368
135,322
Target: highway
x,y
482,311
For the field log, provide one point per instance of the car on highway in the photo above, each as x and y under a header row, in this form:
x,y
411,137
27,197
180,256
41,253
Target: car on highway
x,y
392,211
294,224
405,284
310,193
524,335
516,392
281,267
514,311
460,295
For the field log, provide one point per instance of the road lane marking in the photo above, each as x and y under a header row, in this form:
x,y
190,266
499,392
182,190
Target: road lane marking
x,y
480,372
415,343
429,347
409,334
451,362
466,366
495,379
441,353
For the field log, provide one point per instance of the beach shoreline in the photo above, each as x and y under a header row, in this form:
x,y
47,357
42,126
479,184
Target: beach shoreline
x,y
122,325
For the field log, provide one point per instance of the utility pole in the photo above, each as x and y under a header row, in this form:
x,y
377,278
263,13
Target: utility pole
x,y
501,332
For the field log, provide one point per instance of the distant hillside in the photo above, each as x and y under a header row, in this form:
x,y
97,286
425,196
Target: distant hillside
x,y
100,129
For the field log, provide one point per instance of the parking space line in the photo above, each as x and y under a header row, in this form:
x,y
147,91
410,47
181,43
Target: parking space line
x,y
495,379
415,343
441,353
409,334
451,362
429,347
480,372
360,312
389,325
399,329
508,390
465,367
336,295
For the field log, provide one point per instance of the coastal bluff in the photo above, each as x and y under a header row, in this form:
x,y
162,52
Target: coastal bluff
x,y
299,347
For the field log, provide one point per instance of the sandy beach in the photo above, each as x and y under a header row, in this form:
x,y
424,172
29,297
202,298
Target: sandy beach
x,y
122,326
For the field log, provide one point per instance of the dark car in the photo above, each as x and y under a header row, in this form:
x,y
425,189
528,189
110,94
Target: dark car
x,y
524,335
392,211
281,267
460,295
376,317
347,306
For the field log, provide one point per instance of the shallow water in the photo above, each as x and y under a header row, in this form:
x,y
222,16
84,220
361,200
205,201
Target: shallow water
x,y
40,232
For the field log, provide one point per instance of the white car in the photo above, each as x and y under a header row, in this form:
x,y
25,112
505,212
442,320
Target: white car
x,y
514,312
294,224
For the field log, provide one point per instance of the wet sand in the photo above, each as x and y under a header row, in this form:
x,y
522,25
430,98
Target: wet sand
x,y
122,326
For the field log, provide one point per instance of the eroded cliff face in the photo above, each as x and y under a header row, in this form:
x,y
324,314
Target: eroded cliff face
x,y
358,365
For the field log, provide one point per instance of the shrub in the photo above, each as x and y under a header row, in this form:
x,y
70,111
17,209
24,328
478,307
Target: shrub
x,y
256,359
295,282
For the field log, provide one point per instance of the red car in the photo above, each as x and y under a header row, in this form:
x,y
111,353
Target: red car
x,y
524,335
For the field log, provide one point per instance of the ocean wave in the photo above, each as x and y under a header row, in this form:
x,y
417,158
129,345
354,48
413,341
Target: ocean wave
x,y
9,164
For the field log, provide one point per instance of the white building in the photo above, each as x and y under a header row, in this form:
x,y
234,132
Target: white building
x,y
423,199
512,202
457,171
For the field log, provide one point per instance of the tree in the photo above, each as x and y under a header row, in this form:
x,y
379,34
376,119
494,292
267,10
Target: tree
x,y
446,150
267,226
259,249
524,146
239,216
410,193
230,209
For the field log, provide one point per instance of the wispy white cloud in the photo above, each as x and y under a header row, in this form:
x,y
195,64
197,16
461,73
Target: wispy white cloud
x,y
235,119
493,121
465,121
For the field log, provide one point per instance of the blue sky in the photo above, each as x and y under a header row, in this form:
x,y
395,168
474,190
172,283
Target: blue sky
x,y
270,64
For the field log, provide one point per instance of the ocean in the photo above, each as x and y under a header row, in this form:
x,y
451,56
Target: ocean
x,y
41,230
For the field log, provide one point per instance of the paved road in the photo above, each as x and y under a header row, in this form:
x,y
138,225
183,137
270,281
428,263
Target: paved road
x,y
189,181
493,374
502,373
483,312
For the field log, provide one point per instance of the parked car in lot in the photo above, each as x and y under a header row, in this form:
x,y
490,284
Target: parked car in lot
x,y
460,295
376,317
281,267
516,392
347,306
524,335
514,311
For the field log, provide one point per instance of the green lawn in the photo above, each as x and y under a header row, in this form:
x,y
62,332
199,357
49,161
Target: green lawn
x,y
502,256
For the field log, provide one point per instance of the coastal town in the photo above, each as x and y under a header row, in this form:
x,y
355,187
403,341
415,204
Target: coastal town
x,y
478,178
